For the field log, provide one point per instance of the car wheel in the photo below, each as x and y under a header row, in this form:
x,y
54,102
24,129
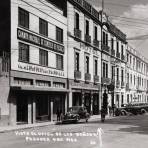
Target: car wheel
x,y
143,111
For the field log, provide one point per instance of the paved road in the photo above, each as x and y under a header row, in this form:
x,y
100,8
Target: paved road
x,y
120,132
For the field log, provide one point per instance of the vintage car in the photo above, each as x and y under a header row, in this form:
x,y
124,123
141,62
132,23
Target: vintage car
x,y
132,108
75,114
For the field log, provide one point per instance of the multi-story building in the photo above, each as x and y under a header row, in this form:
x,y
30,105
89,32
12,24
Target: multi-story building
x,y
113,62
136,73
84,55
33,75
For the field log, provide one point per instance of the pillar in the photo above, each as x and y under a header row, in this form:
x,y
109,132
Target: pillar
x,y
66,100
91,107
34,110
12,110
70,99
83,97
29,110
51,109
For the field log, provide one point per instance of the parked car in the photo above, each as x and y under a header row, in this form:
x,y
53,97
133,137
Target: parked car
x,y
75,114
133,108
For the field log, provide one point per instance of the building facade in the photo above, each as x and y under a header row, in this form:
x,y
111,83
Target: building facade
x,y
113,62
36,82
84,55
136,73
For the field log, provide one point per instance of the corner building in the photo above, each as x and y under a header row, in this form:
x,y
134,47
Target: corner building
x,y
113,63
33,56
84,55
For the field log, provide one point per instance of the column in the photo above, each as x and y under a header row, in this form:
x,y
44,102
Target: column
x,y
83,97
70,98
29,110
12,110
91,107
51,109
34,110
66,104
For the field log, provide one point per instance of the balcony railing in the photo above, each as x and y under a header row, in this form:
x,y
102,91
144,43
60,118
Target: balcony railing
x,y
105,48
122,57
96,78
122,84
106,81
77,33
87,77
112,52
118,55
118,84
87,38
96,43
77,75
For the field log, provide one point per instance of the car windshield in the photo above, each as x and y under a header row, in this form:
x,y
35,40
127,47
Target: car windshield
x,y
74,109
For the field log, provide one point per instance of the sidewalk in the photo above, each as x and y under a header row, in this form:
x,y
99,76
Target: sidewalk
x,y
5,129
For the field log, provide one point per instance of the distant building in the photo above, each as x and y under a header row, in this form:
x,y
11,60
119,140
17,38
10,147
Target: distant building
x,y
33,74
137,77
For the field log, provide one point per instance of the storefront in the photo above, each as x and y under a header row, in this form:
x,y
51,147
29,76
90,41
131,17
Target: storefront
x,y
85,94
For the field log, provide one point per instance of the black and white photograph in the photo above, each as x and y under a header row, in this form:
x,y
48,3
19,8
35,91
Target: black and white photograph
x,y
73,73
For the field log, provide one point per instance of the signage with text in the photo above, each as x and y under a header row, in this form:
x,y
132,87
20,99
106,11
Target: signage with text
x,y
37,40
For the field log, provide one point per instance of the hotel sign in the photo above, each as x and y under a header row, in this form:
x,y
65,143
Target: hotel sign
x,y
39,41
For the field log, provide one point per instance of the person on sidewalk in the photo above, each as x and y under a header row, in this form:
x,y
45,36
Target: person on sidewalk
x,y
58,115
103,113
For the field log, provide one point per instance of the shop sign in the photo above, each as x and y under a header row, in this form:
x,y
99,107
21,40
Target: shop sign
x,y
40,70
39,41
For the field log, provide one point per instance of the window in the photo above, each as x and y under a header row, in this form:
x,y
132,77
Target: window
x,y
43,57
87,64
95,33
122,75
128,78
131,78
128,98
112,43
127,57
23,52
43,27
117,47
105,70
113,72
77,67
122,52
117,74
134,80
59,61
87,27
59,34
95,67
76,20
23,18
105,38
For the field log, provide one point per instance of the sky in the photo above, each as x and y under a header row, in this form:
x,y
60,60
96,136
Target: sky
x,y
131,17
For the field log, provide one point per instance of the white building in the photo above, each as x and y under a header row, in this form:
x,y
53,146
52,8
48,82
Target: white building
x,y
84,55
36,32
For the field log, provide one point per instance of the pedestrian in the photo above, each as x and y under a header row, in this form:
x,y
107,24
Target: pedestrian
x,y
103,113
114,109
58,115
110,110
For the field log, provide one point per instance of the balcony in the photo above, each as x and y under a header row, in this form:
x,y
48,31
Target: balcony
x,y
87,77
77,33
105,81
122,57
105,48
122,84
77,75
118,55
87,38
96,79
112,52
117,84
96,43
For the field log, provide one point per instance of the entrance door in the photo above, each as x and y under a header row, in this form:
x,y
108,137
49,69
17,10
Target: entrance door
x,y
77,99
95,104
22,109
87,102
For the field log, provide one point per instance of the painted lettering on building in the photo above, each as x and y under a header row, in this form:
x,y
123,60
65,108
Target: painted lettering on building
x,y
39,41
40,70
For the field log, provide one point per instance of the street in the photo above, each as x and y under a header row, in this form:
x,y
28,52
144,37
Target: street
x,y
118,132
